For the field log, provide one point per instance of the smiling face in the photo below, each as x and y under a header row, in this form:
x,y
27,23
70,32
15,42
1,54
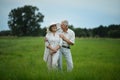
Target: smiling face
x,y
53,28
64,27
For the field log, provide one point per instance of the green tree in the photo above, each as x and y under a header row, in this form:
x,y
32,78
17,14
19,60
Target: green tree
x,y
25,21
43,31
78,32
5,33
100,31
71,27
114,31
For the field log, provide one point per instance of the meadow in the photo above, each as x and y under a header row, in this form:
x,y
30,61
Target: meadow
x,y
21,58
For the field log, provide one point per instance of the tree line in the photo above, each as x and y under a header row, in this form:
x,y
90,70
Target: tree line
x,y
26,21
110,31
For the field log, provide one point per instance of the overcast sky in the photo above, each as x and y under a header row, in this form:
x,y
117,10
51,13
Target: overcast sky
x,y
80,13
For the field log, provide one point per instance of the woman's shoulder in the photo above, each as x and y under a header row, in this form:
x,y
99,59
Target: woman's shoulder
x,y
48,34
57,34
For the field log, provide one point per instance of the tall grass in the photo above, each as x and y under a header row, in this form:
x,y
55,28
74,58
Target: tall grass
x,y
94,59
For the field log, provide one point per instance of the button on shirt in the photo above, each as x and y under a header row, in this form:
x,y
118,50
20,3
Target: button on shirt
x,y
69,35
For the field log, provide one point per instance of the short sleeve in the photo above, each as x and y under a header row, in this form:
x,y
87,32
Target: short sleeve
x,y
72,37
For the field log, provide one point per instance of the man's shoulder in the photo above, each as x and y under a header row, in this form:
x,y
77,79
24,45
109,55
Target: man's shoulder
x,y
70,31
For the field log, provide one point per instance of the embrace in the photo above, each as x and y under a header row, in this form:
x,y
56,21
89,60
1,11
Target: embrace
x,y
57,43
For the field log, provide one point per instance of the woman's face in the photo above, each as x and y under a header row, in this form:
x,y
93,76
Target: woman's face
x,y
54,28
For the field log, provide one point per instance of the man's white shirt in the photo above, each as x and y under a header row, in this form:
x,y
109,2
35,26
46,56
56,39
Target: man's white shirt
x,y
69,35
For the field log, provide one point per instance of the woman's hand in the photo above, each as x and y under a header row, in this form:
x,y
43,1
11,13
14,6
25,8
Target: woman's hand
x,y
53,51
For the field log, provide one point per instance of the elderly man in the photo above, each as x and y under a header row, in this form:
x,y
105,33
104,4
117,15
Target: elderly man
x,y
68,37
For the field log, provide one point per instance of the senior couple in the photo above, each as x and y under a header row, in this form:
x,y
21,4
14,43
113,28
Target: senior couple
x,y
57,43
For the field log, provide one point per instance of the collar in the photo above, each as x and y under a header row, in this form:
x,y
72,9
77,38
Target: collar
x,y
66,31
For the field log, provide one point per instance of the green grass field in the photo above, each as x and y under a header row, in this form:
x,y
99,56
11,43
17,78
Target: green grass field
x,y
94,59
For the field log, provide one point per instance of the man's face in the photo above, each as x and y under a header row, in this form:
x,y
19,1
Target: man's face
x,y
63,26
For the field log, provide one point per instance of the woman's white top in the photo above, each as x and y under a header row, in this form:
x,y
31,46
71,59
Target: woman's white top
x,y
53,40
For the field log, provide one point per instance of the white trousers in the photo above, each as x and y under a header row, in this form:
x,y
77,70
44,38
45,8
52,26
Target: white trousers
x,y
67,54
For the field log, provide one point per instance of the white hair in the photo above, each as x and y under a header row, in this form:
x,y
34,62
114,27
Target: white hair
x,y
65,22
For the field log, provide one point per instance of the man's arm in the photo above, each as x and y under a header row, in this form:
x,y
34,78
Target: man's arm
x,y
67,40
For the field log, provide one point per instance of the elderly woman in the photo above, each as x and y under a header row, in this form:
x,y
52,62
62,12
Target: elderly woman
x,y
52,45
